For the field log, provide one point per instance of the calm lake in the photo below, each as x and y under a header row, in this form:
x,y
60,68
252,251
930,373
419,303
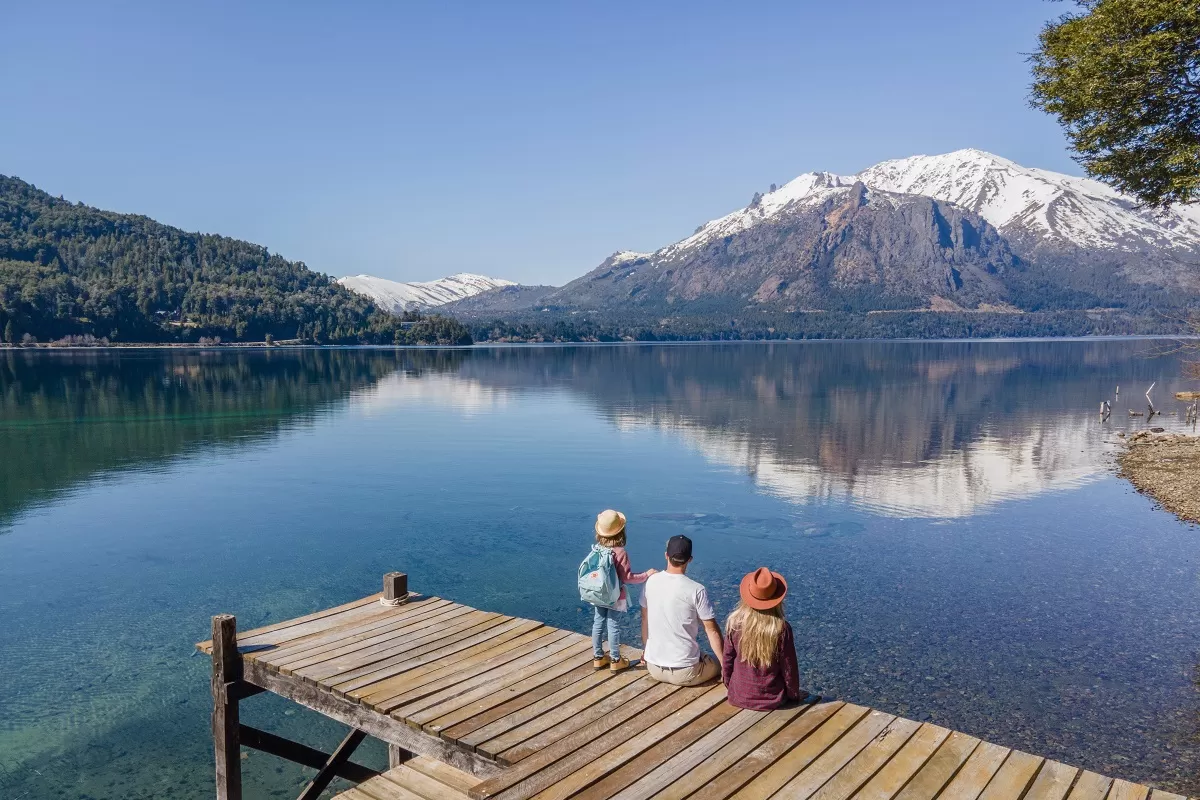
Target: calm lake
x,y
957,545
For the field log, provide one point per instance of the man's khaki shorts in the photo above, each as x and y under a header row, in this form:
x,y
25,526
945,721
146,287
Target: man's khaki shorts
x,y
703,672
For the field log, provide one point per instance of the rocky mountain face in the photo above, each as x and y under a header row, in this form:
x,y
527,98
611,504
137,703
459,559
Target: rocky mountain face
x,y
398,296
964,230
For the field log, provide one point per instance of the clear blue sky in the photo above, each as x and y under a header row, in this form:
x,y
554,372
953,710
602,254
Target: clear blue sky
x,y
517,139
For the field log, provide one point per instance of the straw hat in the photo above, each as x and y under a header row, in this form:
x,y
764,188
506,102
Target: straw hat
x,y
763,589
609,523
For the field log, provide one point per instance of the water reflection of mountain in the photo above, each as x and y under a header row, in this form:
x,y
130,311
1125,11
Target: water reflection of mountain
x,y
67,416
912,429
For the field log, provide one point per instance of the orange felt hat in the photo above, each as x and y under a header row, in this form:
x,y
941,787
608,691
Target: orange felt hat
x,y
763,589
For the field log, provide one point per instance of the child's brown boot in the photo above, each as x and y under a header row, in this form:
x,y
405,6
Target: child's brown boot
x,y
601,663
620,665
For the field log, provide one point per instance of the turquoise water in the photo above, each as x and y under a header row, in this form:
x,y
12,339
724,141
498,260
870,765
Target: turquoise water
x,y
957,547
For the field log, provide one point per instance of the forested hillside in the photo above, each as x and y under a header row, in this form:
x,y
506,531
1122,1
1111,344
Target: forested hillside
x,y
69,269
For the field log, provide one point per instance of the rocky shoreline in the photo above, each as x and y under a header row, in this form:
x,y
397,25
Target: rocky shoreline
x,y
1166,467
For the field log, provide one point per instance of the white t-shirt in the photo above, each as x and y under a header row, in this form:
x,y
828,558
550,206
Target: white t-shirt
x,y
676,604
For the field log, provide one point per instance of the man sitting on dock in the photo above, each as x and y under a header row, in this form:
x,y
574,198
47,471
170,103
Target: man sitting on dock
x,y
673,608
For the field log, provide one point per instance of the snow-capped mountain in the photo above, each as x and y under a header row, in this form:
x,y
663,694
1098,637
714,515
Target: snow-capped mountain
x,y
1079,211
1019,201
397,296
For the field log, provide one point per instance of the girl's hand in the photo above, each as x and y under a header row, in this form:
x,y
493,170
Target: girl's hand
x,y
651,571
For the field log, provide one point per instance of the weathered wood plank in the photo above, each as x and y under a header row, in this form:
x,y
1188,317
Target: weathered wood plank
x,y
423,785
500,653
837,715
411,633
938,770
562,722
1124,790
681,783
206,646
657,751
1015,775
385,689
448,775
1090,786
226,728
374,724
294,632
829,763
327,668
689,758
975,773
568,680
1053,781
859,770
399,618
469,689
897,772
636,709
514,686
407,660
565,776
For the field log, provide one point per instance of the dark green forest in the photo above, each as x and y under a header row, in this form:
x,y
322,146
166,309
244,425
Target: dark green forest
x,y
70,270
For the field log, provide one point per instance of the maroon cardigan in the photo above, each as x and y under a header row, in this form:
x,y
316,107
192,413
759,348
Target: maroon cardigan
x,y
762,689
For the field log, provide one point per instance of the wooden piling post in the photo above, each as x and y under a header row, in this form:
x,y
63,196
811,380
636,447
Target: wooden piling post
x,y
395,588
226,673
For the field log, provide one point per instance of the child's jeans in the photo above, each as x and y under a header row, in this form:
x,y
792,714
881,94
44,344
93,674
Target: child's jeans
x,y
606,616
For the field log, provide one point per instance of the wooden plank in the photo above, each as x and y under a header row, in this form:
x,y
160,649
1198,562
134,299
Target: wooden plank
x,y
1053,781
405,632
441,675
326,668
1159,794
515,686
444,772
378,725
976,771
206,646
812,777
382,789
1015,776
1124,790
486,681
296,629
422,784
656,753
1090,786
635,709
679,783
875,754
566,776
568,680
686,760
365,617
939,769
562,722
508,716
407,660
838,715
400,617
897,772
794,760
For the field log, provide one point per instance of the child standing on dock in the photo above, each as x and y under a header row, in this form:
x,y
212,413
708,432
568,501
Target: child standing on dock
x,y
603,576
760,669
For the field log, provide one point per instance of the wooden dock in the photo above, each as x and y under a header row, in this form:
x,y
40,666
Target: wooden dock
x,y
479,705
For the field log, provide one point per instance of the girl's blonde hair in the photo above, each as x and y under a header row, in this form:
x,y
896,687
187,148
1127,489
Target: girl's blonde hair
x,y
611,541
758,642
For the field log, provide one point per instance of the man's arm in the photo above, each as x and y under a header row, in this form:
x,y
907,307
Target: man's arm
x,y
714,638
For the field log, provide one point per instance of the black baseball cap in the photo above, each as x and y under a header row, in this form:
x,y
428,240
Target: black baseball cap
x,y
679,548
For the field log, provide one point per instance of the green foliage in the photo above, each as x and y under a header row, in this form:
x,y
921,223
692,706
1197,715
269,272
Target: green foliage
x,y
69,269
1123,78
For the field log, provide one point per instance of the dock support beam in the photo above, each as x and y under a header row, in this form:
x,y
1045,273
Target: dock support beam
x,y
395,588
226,676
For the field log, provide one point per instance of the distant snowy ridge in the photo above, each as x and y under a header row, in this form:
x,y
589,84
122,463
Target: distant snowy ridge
x,y
1017,200
397,296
